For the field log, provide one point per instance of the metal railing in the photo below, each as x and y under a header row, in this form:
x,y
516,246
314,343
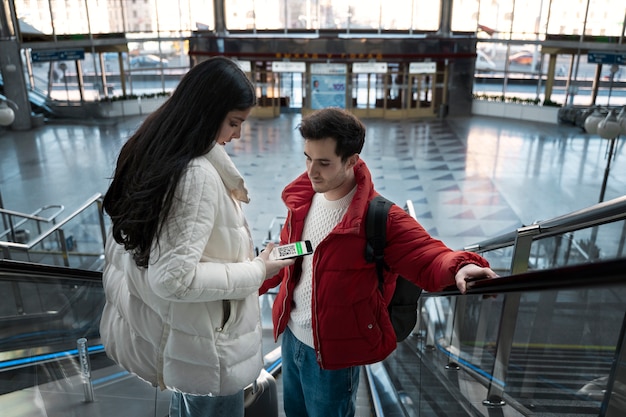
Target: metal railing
x,y
12,222
479,334
520,244
63,240
596,215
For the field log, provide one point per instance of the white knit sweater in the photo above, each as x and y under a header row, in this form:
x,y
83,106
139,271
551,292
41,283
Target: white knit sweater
x,y
321,220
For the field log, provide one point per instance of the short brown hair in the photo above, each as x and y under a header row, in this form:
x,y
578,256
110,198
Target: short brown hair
x,y
339,124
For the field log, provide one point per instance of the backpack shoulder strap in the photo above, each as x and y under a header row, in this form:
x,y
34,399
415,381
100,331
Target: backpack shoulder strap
x,y
375,229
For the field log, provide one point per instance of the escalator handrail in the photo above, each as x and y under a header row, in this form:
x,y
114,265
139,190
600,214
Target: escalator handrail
x,y
34,216
594,274
596,215
41,237
18,270
385,399
24,217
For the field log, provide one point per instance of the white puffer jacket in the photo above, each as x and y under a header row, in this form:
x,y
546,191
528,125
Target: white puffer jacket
x,y
190,321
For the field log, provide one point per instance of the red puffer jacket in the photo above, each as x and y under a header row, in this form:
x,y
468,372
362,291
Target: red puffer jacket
x,y
350,322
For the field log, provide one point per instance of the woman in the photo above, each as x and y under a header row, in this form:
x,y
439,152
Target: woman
x,y
181,279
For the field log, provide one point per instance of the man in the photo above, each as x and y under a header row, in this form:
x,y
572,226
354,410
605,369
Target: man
x,y
329,308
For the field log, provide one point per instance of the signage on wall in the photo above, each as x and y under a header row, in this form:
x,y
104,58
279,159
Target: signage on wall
x,y
244,65
287,66
422,67
69,55
600,57
369,68
328,85
329,68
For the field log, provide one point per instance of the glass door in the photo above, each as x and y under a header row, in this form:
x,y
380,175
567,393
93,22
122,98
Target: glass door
x,y
266,83
369,85
421,84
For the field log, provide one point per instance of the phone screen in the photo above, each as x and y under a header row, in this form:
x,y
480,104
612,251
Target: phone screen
x,y
292,250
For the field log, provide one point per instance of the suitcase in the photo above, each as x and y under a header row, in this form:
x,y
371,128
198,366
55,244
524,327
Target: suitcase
x,y
261,397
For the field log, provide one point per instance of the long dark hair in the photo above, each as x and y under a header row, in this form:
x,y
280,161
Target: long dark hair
x,y
152,161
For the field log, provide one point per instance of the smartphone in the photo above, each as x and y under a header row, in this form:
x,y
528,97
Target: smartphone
x,y
292,250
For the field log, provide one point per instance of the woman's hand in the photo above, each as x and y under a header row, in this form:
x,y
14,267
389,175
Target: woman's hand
x,y
272,266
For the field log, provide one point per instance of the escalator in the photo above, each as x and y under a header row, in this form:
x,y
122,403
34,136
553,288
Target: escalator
x,y
545,339
45,311
40,104
566,357
566,353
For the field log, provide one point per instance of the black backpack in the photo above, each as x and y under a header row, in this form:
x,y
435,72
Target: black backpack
x,y
403,305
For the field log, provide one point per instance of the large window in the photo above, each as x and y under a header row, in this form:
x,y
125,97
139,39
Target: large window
x,y
377,15
512,63
165,17
150,58
603,17
533,19
510,35
501,19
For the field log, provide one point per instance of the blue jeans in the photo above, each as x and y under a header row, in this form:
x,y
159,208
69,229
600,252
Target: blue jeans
x,y
187,405
311,391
